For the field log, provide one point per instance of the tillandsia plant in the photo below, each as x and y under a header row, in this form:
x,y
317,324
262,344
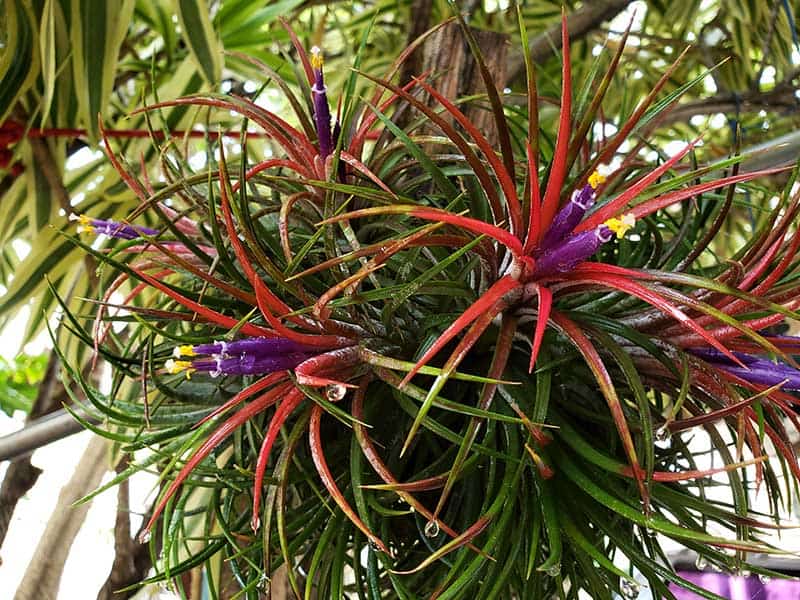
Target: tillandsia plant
x,y
415,365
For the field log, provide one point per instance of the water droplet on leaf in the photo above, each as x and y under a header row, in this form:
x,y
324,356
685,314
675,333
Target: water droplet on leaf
x,y
554,571
431,529
263,583
629,589
335,392
662,434
701,563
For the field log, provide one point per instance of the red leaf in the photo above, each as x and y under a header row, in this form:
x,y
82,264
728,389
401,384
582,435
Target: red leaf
x,y
244,394
402,489
268,302
318,456
650,206
271,164
595,363
285,408
499,289
653,298
205,312
668,476
503,176
558,168
205,449
616,205
436,214
534,204
545,304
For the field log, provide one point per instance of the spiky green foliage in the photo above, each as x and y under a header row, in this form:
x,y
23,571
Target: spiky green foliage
x,y
458,420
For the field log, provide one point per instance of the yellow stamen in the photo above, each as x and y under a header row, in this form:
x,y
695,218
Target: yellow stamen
x,y
595,179
178,366
85,224
316,58
621,226
183,351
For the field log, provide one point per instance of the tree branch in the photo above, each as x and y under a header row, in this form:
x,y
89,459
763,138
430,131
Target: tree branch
x,y
780,98
41,432
579,23
21,475
131,559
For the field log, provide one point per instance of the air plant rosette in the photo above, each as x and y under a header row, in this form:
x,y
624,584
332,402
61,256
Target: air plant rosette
x,y
449,374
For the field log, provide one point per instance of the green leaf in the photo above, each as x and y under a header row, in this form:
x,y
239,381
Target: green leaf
x,y
98,29
200,37
19,382
19,63
47,48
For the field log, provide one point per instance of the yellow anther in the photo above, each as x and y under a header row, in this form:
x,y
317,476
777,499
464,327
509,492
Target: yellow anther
x,y
85,224
316,58
178,366
595,179
621,226
183,351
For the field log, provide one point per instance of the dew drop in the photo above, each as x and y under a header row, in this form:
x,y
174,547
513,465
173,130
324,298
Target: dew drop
x,y
144,538
764,579
263,583
335,392
662,434
629,589
431,529
744,572
554,571
701,563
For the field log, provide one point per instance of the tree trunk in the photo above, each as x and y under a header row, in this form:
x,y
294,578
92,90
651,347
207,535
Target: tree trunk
x,y
42,579
456,74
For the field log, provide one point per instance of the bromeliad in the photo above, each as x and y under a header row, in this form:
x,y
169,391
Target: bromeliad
x,y
256,325
545,245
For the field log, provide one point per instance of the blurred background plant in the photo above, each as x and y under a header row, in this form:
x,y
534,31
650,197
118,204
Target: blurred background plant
x,y
63,63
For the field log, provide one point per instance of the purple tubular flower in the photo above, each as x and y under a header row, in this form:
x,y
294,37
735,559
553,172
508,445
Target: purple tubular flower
x,y
257,346
248,364
568,217
247,356
322,114
759,370
113,229
575,249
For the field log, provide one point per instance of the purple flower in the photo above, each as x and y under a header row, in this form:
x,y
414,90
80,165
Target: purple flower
x,y
259,346
322,114
760,371
248,356
568,217
113,229
578,247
